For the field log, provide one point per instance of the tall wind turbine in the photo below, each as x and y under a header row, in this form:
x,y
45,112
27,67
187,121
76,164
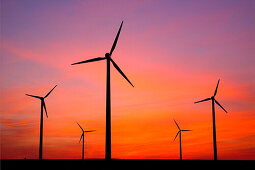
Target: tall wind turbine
x,y
82,137
213,117
41,124
108,91
180,135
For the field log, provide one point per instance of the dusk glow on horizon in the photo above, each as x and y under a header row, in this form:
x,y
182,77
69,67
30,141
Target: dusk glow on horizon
x,y
173,52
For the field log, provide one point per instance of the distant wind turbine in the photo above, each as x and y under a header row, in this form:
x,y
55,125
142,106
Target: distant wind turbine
x,y
82,137
180,135
108,91
213,116
41,124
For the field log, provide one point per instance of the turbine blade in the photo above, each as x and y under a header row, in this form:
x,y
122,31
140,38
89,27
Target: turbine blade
x,y
44,105
38,97
116,66
50,92
216,88
90,131
81,137
177,125
176,135
220,105
80,126
203,100
90,60
116,39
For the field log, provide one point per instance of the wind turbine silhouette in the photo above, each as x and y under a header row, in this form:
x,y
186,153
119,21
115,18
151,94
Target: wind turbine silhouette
x,y
213,116
180,135
108,91
82,137
41,124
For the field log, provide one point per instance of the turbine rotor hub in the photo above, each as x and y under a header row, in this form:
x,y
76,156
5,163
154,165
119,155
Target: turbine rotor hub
x,y
107,55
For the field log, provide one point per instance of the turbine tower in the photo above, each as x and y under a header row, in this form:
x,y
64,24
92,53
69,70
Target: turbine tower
x,y
41,122
180,135
213,117
82,137
108,91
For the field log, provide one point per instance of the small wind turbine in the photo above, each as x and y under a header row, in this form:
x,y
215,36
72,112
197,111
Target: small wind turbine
x,y
213,116
180,135
82,137
41,124
108,91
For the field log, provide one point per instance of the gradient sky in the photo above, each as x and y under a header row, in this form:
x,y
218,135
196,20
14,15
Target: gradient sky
x,y
173,52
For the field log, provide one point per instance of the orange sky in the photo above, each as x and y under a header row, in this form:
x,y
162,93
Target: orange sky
x,y
173,52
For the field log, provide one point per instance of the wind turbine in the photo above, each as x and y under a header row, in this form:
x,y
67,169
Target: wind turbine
x,y
41,124
213,117
82,137
180,135
108,91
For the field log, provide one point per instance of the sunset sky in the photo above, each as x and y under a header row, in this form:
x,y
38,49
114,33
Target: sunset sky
x,y
173,52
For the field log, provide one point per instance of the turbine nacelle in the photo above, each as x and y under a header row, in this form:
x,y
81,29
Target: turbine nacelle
x,y
107,55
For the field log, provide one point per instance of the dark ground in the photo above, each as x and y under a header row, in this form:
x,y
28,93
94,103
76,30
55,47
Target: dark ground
x,y
101,164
